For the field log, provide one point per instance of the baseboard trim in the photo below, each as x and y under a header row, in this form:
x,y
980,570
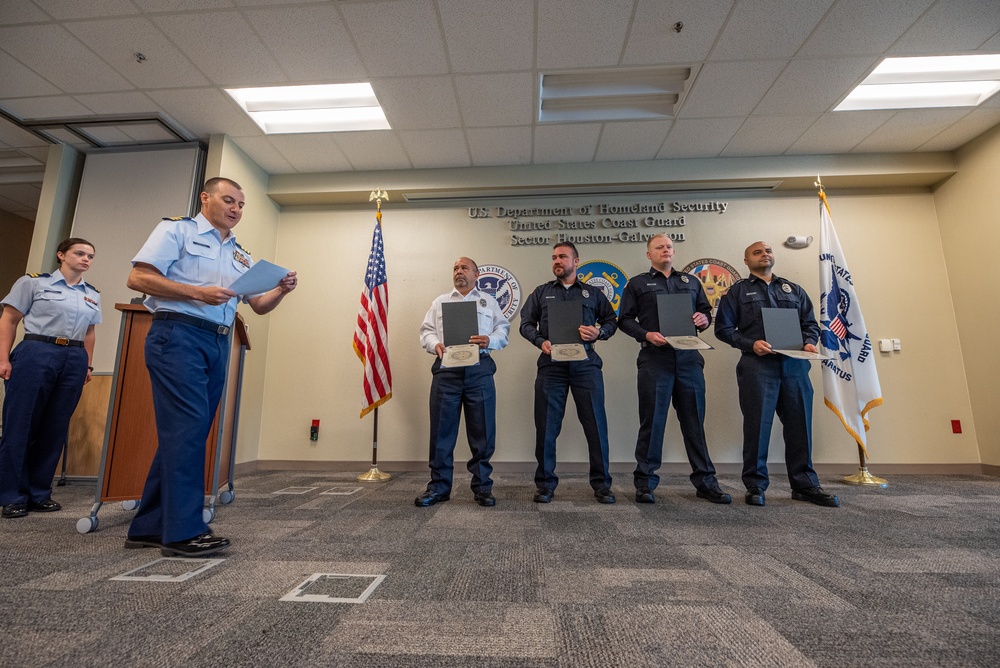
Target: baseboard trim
x,y
728,470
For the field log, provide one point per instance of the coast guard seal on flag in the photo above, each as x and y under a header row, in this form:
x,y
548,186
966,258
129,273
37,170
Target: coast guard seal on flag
x,y
850,381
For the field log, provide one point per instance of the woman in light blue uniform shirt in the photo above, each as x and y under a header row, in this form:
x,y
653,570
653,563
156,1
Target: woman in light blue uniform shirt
x,y
44,374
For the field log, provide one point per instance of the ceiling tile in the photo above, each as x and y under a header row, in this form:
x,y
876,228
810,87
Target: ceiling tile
x,y
908,129
19,11
74,9
813,86
40,152
118,103
430,149
33,108
20,81
699,137
418,103
233,56
838,131
767,135
753,32
489,36
56,55
965,130
598,28
497,99
632,141
373,150
729,89
856,27
950,26
311,43
13,136
575,142
263,152
500,146
309,153
25,194
409,44
153,6
204,112
653,40
118,40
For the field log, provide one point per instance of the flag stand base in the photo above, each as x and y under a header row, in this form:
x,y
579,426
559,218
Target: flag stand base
x,y
863,477
373,475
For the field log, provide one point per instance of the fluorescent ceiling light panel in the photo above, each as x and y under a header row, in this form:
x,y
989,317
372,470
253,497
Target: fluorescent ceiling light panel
x,y
326,108
612,95
924,82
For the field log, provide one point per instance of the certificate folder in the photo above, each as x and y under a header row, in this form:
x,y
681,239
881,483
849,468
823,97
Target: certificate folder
x,y
675,312
783,332
460,322
564,320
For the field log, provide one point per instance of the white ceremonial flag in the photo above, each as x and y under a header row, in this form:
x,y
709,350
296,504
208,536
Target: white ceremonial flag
x,y
850,381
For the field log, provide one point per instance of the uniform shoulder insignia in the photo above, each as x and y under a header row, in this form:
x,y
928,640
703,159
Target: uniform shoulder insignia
x,y
738,281
240,246
177,218
92,287
38,274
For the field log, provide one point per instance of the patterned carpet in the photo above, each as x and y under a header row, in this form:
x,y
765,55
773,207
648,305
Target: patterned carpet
x,y
901,577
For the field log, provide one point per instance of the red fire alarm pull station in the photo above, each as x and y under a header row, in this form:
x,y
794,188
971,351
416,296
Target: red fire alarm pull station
x,y
314,431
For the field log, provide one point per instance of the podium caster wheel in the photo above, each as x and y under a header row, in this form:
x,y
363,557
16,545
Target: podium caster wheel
x,y
226,497
85,525
132,504
207,515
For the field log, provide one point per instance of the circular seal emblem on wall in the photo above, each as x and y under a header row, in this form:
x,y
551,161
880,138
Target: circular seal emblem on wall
x,y
502,286
610,278
716,277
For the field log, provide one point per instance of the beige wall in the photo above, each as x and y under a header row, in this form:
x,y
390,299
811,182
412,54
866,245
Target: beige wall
x,y
312,371
258,233
970,235
16,234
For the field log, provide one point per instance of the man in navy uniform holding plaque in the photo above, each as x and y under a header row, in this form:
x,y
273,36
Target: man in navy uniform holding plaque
x,y
666,374
555,379
463,387
769,382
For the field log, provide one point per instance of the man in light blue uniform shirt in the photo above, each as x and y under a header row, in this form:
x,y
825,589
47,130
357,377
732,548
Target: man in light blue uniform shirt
x,y
185,267
469,387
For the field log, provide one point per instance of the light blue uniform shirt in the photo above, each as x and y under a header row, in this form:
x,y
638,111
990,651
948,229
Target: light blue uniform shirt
x,y
191,251
53,307
492,322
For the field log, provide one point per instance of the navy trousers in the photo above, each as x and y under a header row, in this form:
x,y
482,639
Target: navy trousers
x,y
469,389
552,384
187,368
45,385
772,384
665,375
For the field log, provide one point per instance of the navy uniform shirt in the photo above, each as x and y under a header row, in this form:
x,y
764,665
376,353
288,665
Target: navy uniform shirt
x,y
739,322
596,310
53,307
639,314
191,251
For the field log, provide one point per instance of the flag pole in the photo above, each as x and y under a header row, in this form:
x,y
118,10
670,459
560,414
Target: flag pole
x,y
862,477
373,474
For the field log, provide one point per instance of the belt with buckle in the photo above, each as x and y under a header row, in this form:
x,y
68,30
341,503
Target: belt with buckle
x,y
200,323
58,340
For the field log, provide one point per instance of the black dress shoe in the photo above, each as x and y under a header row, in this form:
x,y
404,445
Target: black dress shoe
x,y
485,499
139,542
430,498
46,506
816,495
755,496
715,495
644,495
12,510
199,546
543,496
604,495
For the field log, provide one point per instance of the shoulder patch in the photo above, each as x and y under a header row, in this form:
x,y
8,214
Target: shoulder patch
x,y
38,275
92,287
177,218
240,246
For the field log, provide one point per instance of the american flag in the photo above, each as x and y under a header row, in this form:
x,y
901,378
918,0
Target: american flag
x,y
370,337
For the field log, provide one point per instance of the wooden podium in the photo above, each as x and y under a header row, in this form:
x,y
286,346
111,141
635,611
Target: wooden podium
x,y
130,437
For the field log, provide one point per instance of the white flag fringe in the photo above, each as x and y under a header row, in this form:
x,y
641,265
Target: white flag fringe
x,y
850,381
